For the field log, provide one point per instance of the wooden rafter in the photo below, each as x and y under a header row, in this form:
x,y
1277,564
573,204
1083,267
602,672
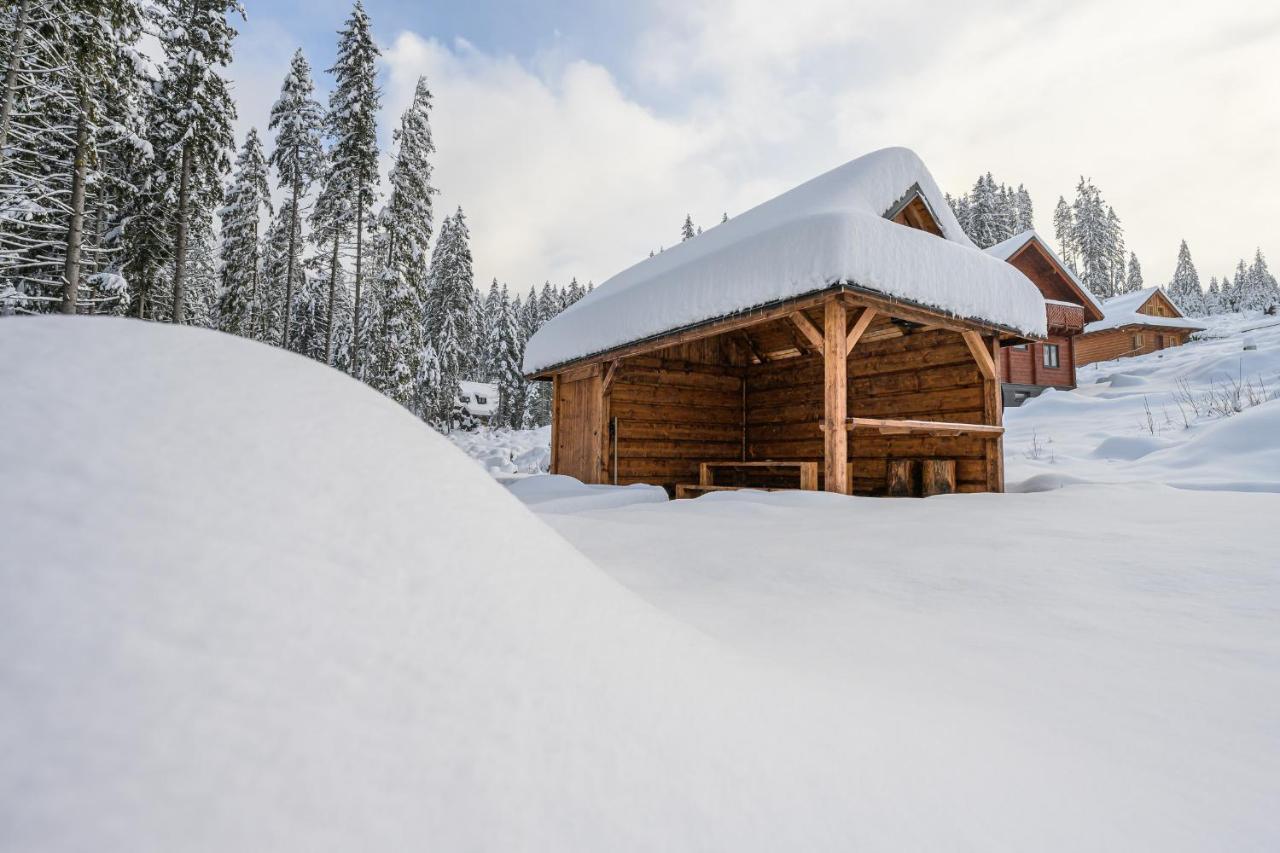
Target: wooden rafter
x,y
810,331
977,346
855,331
752,348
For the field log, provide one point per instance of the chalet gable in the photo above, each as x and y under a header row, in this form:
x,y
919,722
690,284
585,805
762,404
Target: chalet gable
x,y
913,210
1033,257
1159,305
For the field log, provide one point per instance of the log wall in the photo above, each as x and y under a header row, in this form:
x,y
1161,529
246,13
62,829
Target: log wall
x,y
675,409
922,376
1121,343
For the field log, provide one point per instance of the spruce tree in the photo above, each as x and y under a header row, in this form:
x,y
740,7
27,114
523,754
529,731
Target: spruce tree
x,y
298,158
1184,287
1213,297
1063,232
195,115
1025,215
1134,280
246,196
489,334
1094,238
687,231
508,364
352,123
408,223
449,314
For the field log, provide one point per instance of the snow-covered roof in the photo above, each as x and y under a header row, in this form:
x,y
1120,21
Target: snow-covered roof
x,y
1122,310
1007,249
471,392
827,231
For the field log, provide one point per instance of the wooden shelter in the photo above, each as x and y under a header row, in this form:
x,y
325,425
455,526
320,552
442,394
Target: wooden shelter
x,y
1027,369
1136,323
843,387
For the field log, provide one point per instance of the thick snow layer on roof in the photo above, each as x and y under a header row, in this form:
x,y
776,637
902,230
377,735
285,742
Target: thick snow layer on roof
x,y
826,231
227,623
1122,310
1006,250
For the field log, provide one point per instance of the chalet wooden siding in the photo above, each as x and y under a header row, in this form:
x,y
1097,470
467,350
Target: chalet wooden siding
x,y
1027,366
1126,342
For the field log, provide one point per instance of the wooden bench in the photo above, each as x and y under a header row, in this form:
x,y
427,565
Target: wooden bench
x,y
806,471
892,426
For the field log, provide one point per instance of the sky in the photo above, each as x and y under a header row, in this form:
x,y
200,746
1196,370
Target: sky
x,y
577,135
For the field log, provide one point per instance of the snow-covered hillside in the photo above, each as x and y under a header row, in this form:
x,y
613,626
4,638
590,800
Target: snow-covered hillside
x,y
1202,416
247,603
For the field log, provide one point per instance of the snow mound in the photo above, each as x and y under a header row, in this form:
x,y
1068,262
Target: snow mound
x,y
1128,447
507,451
826,231
1125,380
558,493
248,604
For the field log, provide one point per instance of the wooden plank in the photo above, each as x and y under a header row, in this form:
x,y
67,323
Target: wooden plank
x,y
981,354
857,329
556,424
993,414
704,474
809,476
810,331
835,398
891,426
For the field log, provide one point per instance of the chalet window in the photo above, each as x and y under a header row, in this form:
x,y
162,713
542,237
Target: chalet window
x,y
1050,355
465,398
1137,341
1020,347
482,400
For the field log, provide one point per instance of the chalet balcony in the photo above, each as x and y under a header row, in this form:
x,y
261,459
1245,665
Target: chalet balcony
x,y
1064,317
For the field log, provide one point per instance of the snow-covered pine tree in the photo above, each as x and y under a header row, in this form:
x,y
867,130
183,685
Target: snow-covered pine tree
x,y
195,114
1261,290
202,272
508,364
488,333
528,314
1117,261
1134,280
687,231
241,214
449,314
1184,287
352,124
1024,213
1093,240
1064,228
1213,297
574,292
987,213
1238,297
282,274
408,224
298,158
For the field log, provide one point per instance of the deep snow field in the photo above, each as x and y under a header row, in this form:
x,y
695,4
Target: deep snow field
x,y
247,603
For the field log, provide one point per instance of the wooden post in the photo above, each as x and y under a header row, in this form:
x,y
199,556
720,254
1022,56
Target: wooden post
x,y
556,426
993,414
937,477
901,474
835,399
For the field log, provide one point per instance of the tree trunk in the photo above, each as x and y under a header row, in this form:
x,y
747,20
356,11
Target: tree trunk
x,y
180,245
288,276
11,75
355,311
333,288
75,232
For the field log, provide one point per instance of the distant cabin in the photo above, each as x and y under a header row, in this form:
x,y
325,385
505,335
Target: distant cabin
x,y
478,399
1028,369
843,336
1136,323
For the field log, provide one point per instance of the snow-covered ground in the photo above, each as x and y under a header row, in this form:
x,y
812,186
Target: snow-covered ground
x,y
507,452
228,623
1202,416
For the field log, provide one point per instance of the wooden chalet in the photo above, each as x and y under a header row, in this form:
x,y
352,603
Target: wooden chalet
x,y
1028,369
845,336
1135,324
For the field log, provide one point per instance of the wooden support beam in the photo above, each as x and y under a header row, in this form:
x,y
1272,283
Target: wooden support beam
x,y
993,414
835,397
810,331
753,349
981,354
855,331
609,375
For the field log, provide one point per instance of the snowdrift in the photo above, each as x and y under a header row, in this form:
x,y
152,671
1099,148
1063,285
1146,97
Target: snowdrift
x,y
248,604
